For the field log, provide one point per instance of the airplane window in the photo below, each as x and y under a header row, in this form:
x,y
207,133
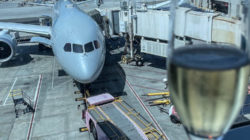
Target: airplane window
x,y
89,47
77,48
67,47
97,45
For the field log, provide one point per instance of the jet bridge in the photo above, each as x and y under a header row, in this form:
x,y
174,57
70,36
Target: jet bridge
x,y
193,26
150,26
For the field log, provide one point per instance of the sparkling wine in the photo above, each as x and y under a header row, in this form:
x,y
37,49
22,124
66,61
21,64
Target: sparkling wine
x,y
208,86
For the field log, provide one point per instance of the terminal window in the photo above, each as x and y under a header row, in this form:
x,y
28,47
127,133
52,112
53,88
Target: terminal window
x,y
220,6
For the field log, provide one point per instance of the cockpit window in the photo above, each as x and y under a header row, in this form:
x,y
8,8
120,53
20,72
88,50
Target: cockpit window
x,y
97,45
67,47
89,47
77,48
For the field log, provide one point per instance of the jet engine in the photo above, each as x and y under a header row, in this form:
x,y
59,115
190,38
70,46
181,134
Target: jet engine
x,y
7,46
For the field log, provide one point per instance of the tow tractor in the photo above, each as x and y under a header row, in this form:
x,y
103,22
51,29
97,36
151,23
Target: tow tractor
x,y
109,118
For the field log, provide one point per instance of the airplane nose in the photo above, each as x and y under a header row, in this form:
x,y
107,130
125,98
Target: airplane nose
x,y
88,75
88,72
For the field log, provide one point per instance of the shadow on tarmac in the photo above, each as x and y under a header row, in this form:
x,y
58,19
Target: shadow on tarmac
x,y
111,79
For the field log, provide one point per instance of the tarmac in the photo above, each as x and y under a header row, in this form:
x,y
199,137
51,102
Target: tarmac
x,y
52,93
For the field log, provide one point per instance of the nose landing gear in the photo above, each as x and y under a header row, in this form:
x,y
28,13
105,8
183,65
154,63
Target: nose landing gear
x,y
84,90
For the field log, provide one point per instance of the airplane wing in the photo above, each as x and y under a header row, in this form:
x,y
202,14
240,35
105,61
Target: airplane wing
x,y
28,28
82,2
42,4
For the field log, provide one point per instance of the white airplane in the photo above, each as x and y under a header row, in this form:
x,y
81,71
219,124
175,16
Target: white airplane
x,y
76,40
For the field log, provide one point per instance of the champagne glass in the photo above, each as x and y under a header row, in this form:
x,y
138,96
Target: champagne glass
x,y
207,65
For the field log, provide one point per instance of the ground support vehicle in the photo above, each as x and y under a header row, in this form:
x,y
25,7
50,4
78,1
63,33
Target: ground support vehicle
x,y
112,118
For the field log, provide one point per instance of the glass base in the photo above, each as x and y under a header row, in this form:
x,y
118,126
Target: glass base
x,y
193,137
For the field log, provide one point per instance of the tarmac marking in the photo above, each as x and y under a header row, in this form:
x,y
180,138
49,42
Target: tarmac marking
x,y
28,76
133,68
10,91
143,106
35,105
148,88
140,77
53,73
6,105
39,76
62,83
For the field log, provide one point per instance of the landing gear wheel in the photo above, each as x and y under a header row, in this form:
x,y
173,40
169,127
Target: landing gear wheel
x,y
87,86
94,132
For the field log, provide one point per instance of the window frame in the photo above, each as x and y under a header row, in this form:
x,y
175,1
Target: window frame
x,y
66,45
75,48
98,44
93,47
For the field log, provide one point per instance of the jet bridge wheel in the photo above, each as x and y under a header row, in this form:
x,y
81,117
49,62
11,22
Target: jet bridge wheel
x,y
138,60
139,63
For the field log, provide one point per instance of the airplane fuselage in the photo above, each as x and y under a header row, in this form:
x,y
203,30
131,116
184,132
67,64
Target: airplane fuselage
x,y
77,42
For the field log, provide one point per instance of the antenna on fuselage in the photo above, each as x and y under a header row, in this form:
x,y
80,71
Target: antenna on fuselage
x,y
99,2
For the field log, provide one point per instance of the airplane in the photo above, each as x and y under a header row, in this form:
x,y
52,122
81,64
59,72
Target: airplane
x,y
75,38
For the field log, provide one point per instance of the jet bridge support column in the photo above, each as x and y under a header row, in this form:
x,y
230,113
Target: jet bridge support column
x,y
131,41
127,18
131,31
126,37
